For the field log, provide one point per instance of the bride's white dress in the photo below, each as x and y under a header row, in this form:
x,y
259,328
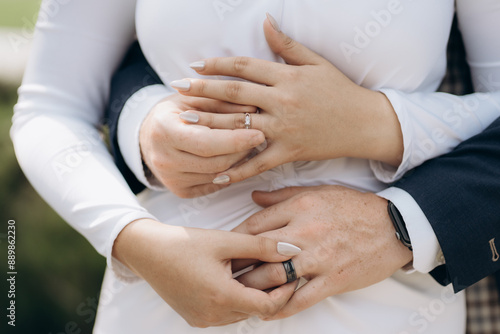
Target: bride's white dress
x,y
394,46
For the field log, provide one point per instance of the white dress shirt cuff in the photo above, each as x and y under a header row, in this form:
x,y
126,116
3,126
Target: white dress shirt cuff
x,y
427,253
120,270
134,112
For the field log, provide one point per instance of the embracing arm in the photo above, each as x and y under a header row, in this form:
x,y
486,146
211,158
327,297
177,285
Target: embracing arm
x,y
59,147
57,120
123,88
459,194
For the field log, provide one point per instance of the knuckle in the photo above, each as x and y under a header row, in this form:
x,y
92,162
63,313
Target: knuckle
x,y
291,75
183,192
276,274
232,90
239,121
252,225
261,166
202,86
269,309
156,162
210,120
197,323
240,64
288,43
305,201
263,245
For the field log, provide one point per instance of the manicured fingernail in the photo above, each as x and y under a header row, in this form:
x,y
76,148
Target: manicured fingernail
x,y
183,85
287,249
190,117
273,22
198,65
223,179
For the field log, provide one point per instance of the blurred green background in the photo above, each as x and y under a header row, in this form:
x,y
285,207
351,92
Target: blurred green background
x,y
58,272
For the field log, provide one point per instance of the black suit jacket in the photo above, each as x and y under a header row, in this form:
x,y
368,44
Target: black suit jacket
x,y
460,196
459,192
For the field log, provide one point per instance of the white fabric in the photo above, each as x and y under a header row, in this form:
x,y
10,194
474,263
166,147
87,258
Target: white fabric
x,y
397,46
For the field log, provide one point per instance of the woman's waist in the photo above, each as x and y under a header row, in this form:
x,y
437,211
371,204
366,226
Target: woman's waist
x,y
227,208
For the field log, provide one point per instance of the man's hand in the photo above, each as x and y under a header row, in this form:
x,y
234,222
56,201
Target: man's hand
x,y
191,270
186,158
347,239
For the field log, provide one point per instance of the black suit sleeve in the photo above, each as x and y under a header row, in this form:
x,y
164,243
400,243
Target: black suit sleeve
x,y
134,73
460,196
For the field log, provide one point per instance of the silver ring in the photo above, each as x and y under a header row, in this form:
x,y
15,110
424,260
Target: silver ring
x,y
291,274
248,121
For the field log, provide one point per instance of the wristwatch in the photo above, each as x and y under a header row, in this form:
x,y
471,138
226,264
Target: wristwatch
x,y
399,225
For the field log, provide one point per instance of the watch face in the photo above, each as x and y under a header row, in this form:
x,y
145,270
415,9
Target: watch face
x,y
399,225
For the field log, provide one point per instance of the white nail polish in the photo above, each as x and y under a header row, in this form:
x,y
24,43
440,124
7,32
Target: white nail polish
x,y
287,249
198,65
183,85
221,179
273,21
190,117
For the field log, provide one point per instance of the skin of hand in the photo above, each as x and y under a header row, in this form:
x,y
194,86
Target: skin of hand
x,y
310,110
185,158
347,239
191,270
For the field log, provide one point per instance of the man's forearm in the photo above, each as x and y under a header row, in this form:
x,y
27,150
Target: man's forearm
x,y
460,195
134,73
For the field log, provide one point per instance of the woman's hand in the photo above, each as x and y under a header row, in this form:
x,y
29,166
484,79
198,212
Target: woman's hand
x,y
191,270
310,110
347,239
186,158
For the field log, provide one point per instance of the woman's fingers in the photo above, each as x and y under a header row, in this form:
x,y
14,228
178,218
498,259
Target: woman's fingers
x,y
225,121
269,275
243,246
262,304
238,92
251,69
308,295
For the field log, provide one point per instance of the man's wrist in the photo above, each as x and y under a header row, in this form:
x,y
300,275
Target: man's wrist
x,y
399,225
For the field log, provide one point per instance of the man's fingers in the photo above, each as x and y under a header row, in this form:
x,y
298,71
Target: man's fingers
x,y
268,275
308,295
238,92
251,69
225,121
269,219
217,106
206,142
240,264
290,50
201,170
267,199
